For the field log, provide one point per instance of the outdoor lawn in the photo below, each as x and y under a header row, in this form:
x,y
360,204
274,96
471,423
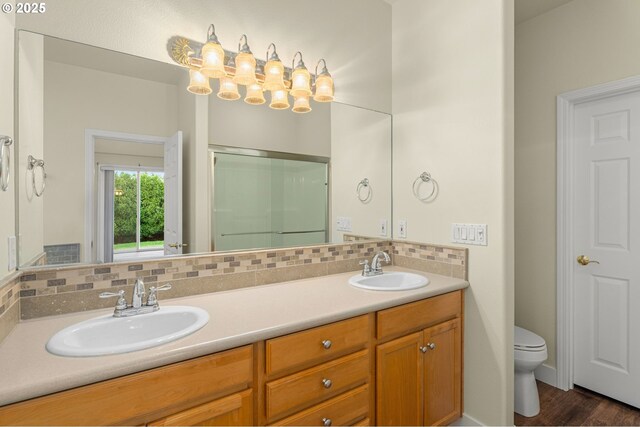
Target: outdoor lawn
x,y
143,245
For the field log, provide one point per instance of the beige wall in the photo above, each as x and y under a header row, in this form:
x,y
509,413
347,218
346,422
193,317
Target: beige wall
x,y
115,103
580,44
453,107
353,36
7,203
360,148
30,141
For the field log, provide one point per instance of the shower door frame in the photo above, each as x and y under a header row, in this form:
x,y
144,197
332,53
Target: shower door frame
x,y
267,154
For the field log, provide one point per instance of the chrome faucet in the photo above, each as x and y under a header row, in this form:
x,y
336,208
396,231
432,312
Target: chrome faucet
x,y
138,294
376,266
137,306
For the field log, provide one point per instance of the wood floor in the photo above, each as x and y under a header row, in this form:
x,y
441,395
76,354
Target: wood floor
x,y
579,407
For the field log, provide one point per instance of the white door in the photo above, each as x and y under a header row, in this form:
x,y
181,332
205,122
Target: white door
x,y
173,243
607,229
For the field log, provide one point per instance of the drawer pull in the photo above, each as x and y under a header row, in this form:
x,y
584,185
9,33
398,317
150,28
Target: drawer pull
x,y
326,422
327,344
327,383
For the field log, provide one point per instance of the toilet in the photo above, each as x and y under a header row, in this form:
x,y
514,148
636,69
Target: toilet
x,y
530,351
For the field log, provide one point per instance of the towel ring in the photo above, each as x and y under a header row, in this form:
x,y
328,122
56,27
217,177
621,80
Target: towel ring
x,y
424,178
32,165
364,184
5,165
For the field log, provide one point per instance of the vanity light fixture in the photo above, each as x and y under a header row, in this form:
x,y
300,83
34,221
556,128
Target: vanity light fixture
x,y
210,60
300,79
279,99
324,84
245,64
212,56
273,71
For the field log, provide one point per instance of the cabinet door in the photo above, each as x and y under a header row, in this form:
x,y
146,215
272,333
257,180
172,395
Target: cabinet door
x,y
399,377
443,373
234,410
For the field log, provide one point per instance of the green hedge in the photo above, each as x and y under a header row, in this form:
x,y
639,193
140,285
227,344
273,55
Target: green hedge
x,y
151,208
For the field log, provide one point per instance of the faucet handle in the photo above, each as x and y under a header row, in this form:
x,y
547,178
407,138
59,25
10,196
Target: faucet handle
x,y
121,304
153,293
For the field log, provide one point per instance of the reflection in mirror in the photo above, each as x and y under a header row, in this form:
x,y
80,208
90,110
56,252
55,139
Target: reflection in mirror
x,y
268,199
128,174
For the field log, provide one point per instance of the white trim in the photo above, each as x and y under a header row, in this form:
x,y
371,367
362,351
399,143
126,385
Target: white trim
x,y
90,136
547,374
566,104
466,420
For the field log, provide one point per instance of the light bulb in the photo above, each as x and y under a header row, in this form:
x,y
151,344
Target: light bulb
x,y
324,88
198,83
254,96
228,89
279,100
213,60
300,82
245,69
301,104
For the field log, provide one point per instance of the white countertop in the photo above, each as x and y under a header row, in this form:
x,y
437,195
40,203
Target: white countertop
x,y
237,318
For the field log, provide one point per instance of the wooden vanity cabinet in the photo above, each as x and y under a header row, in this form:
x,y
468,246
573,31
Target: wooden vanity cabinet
x,y
399,366
419,374
191,391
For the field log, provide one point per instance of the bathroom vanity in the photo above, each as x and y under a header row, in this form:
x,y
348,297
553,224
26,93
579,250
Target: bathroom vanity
x,y
370,358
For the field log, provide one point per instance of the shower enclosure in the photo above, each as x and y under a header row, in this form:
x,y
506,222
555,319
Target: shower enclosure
x,y
265,199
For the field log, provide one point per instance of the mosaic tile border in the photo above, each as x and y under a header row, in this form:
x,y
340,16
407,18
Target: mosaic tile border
x,y
9,303
46,292
445,260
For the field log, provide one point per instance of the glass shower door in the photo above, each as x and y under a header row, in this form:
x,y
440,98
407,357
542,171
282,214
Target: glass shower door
x,y
263,202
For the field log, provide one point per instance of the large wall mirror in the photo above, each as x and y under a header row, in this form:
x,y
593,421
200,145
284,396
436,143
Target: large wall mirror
x,y
118,162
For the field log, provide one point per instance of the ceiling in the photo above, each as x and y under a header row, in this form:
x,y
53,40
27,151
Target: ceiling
x,y
527,9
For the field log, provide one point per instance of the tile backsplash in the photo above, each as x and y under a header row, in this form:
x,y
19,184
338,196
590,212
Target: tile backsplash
x,y
39,293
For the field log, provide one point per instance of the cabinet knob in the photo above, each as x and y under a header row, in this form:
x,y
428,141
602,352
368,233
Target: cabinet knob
x,y
327,344
326,422
327,383
423,349
432,346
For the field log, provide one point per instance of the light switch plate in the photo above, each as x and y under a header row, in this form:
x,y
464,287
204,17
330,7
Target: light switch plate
x,y
12,252
402,228
383,228
469,234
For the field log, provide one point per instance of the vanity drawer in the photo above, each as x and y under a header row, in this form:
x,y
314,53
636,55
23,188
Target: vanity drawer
x,y
316,345
398,321
306,388
142,397
347,409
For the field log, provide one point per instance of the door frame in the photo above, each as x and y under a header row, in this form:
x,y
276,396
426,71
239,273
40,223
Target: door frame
x,y
90,210
566,104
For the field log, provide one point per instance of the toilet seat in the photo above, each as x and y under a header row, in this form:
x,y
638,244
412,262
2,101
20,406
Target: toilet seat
x,y
525,340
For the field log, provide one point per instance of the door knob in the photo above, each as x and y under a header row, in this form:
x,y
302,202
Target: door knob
x,y
584,260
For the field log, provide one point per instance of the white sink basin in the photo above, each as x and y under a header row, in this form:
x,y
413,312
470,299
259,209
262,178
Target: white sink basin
x,y
392,281
110,335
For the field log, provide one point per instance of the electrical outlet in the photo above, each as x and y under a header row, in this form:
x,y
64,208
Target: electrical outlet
x,y
402,228
12,252
469,234
343,223
383,227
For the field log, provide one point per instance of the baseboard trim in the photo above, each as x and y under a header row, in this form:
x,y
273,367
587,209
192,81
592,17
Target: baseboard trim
x,y
466,420
547,375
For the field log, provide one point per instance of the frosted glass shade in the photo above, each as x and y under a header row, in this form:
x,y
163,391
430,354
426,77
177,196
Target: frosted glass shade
x,y
301,104
198,83
245,69
213,60
279,100
324,89
228,89
300,83
274,76
254,96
